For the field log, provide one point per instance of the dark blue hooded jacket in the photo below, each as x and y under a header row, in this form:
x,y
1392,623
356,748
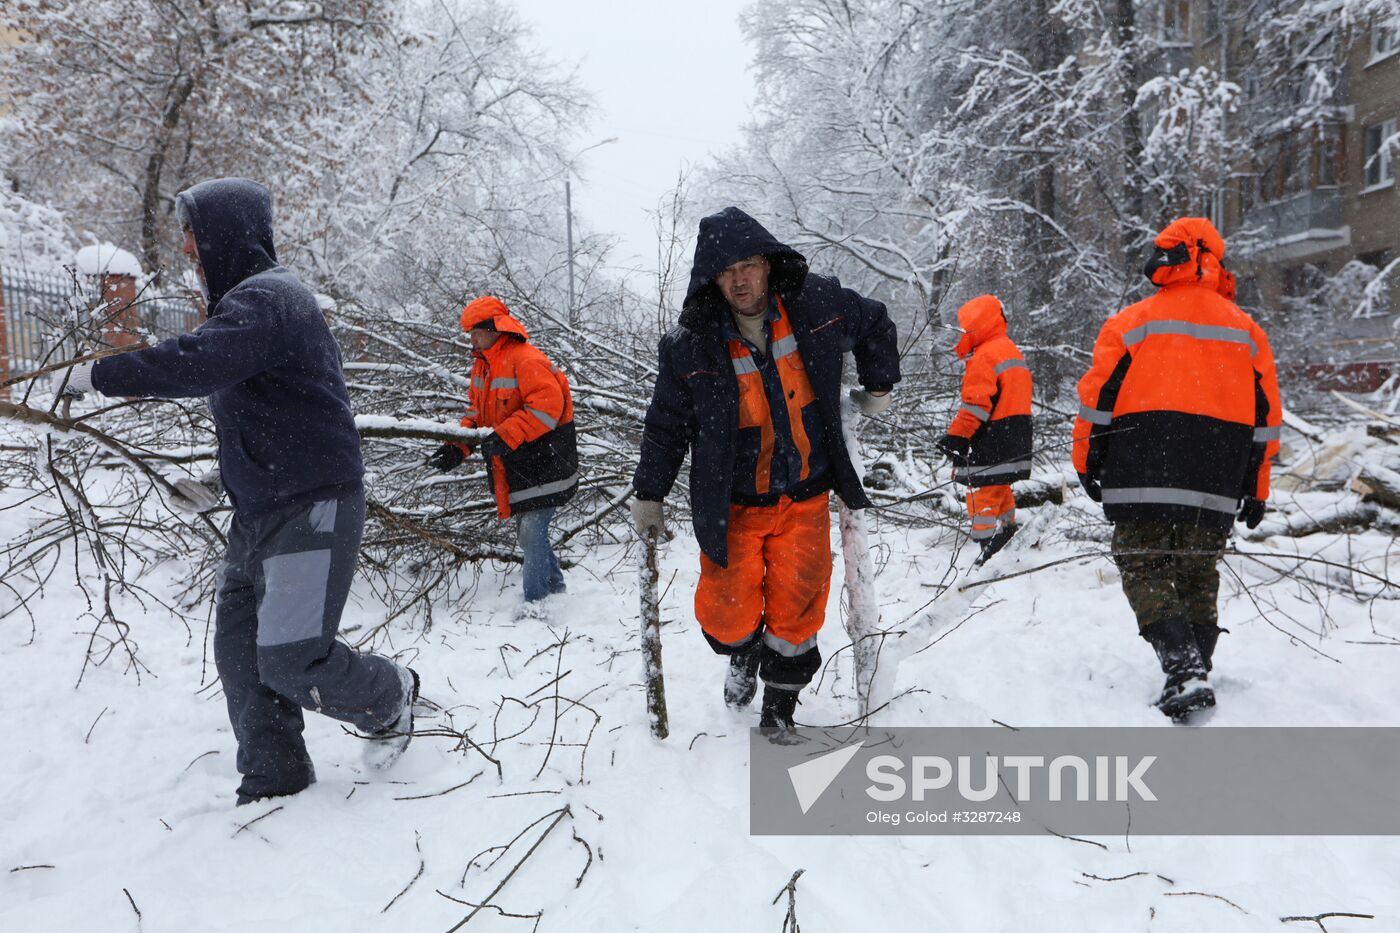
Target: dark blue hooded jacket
x,y
695,405
265,359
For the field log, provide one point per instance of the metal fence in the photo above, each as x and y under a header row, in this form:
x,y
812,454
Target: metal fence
x,y
42,316
163,317
49,317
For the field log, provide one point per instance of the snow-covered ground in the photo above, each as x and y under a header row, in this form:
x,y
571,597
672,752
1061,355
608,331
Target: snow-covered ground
x,y
117,797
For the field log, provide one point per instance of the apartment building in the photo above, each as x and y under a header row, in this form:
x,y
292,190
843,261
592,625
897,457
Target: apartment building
x,y
1317,194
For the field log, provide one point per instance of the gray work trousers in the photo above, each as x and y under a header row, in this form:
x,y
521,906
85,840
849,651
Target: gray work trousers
x,y
280,593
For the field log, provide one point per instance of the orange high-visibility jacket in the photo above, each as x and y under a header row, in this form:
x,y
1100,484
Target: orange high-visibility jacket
x,y
756,412
996,398
1179,411
516,390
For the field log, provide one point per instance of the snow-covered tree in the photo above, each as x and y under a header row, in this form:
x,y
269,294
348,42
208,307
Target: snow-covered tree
x,y
121,104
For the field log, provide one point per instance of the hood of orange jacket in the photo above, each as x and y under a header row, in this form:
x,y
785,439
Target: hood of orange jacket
x,y
1188,250
981,319
493,309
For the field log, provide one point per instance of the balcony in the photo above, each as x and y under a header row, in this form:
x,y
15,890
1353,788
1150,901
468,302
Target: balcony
x,y
1298,226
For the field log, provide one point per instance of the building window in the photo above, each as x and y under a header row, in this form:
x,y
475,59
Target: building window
x,y
1303,161
1176,21
1384,42
1328,156
1210,17
1380,157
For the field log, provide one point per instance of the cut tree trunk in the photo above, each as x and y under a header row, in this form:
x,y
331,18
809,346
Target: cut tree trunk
x,y
651,638
862,608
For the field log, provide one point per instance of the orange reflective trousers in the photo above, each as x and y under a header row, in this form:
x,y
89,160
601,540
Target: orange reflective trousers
x,y
779,575
990,507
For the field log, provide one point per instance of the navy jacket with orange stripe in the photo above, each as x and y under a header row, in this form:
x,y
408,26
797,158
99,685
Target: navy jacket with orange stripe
x,y
516,390
996,399
1180,411
695,405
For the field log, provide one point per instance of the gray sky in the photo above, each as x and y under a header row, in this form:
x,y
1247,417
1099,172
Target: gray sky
x,y
671,81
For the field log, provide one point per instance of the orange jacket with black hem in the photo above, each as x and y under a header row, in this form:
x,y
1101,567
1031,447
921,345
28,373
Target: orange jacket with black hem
x,y
995,414
525,399
1180,412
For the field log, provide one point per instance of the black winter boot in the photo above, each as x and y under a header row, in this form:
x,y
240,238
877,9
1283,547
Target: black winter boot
x,y
741,681
778,707
1186,689
245,799
1206,637
995,543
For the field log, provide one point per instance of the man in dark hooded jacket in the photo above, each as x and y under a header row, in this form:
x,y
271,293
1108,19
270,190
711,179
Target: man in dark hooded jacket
x,y
289,457
750,384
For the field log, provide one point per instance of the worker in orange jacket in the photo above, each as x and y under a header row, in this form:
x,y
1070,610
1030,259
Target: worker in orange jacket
x,y
1179,417
989,440
532,455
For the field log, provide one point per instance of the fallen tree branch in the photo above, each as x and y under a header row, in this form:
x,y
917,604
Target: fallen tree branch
x,y
1318,918
418,847
68,428
1206,894
132,901
69,364
790,889
444,793
378,426
558,818
254,820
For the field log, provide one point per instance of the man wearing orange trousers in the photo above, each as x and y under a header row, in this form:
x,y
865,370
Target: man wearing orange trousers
x,y
749,384
989,440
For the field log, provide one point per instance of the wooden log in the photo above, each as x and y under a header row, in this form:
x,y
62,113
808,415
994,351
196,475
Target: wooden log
x,y
651,638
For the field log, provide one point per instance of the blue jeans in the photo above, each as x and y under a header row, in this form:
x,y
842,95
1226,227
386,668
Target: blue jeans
x,y
542,573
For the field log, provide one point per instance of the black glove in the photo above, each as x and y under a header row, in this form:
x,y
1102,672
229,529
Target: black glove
x,y
446,458
493,446
954,447
1251,511
1091,486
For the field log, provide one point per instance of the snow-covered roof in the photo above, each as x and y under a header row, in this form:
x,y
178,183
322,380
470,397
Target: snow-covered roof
x,y
106,259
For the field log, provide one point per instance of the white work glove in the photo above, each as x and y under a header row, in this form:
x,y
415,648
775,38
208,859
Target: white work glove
x,y
79,380
195,497
868,403
646,515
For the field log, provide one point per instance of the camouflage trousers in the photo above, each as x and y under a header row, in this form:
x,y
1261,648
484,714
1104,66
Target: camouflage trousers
x,y
1169,570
